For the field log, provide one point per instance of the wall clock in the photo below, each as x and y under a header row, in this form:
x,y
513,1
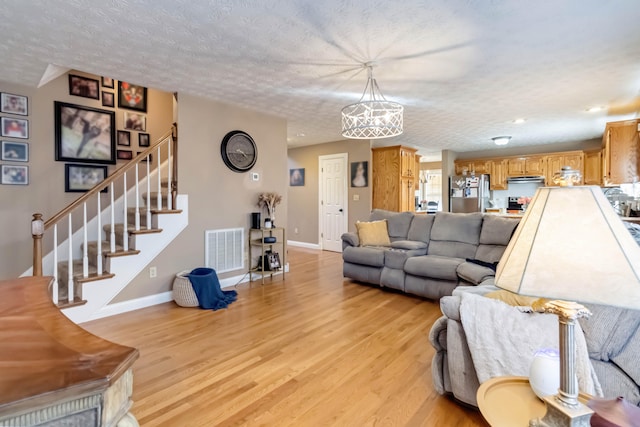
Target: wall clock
x,y
239,151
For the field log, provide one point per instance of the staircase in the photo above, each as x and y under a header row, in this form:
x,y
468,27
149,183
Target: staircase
x,y
100,256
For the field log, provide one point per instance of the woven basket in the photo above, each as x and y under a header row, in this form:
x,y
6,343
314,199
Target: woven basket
x,y
183,293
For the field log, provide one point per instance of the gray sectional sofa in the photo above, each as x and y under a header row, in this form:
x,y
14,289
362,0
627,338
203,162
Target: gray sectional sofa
x,y
429,255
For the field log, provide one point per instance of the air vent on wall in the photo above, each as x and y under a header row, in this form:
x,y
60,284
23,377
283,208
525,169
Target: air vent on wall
x,y
224,249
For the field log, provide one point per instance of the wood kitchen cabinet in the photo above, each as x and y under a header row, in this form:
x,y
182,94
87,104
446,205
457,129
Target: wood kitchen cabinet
x,y
417,169
394,176
472,167
555,162
593,167
620,145
498,174
530,165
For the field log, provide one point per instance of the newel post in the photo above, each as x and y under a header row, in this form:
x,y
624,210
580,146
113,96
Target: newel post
x,y
37,230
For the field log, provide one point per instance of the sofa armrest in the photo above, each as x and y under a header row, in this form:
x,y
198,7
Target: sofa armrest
x,y
350,239
474,273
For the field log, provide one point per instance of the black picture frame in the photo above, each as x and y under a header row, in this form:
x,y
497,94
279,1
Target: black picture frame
x,y
125,154
79,178
124,138
135,121
14,174
144,140
296,177
132,97
84,87
13,151
14,128
14,104
84,134
144,159
359,174
107,82
108,99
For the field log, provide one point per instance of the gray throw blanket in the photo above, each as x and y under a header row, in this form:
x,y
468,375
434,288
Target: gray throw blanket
x,y
503,339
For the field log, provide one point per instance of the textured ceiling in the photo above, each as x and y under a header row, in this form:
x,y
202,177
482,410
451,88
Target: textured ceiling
x,y
463,69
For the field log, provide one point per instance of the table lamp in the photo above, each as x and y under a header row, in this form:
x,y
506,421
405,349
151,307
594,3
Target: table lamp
x,y
571,246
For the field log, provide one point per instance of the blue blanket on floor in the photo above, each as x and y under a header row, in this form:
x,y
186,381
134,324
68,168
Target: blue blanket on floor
x,y
207,288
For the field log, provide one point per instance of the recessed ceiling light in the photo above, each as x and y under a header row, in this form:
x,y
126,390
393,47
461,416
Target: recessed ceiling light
x,y
519,121
595,109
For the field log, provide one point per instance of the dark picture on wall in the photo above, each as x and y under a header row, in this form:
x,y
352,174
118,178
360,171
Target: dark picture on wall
x,y
15,175
143,139
359,174
107,82
84,134
132,97
125,154
108,99
14,128
135,121
149,157
80,178
124,138
84,86
296,177
15,151
14,104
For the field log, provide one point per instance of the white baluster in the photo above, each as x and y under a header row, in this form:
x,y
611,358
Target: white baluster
x,y
137,200
55,263
125,232
169,167
99,247
85,249
112,235
159,180
148,196
70,264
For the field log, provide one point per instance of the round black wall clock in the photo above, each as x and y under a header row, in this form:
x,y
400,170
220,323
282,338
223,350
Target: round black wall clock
x,y
239,151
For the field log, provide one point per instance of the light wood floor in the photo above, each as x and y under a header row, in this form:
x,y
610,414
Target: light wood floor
x,y
314,350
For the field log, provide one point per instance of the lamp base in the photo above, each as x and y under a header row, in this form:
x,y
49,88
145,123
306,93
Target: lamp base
x,y
561,415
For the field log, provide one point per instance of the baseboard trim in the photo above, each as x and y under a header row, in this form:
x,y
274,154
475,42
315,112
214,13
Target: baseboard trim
x,y
304,244
161,298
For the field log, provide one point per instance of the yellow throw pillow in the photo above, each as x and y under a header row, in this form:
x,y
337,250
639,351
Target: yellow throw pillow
x,y
517,300
373,233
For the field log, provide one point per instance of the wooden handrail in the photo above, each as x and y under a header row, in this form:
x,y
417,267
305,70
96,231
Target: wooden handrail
x,y
104,184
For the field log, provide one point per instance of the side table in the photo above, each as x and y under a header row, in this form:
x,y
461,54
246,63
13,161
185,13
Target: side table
x,y
510,402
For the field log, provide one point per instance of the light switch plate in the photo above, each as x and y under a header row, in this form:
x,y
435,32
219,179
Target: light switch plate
x,y
255,176
356,197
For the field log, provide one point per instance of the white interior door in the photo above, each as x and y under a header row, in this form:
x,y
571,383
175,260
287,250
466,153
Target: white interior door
x,y
333,201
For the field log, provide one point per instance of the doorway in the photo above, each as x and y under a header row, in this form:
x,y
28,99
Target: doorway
x,y
333,201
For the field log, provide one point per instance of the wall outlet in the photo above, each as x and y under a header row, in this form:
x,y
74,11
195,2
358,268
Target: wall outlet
x,y
295,230
153,272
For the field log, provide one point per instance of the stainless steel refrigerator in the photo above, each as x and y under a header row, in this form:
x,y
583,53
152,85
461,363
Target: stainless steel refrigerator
x,y
468,193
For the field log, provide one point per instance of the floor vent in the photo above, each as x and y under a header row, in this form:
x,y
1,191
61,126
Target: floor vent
x,y
224,249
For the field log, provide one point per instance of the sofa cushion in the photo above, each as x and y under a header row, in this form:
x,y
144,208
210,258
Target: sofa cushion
x,y
398,222
455,234
395,258
489,253
433,266
474,273
373,233
370,256
409,245
420,229
497,230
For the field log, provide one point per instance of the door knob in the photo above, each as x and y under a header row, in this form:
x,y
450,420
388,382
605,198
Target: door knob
x,y
340,210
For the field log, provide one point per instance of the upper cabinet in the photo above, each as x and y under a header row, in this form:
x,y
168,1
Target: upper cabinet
x,y
593,167
498,174
529,165
555,162
620,145
472,167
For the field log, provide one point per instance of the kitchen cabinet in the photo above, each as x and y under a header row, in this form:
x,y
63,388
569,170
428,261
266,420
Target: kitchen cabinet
x,y
472,167
593,167
498,174
555,162
394,177
530,165
417,173
620,145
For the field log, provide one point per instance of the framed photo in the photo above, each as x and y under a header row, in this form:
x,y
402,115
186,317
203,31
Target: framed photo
x,y
124,138
84,86
150,157
107,82
84,134
14,104
81,178
108,99
15,128
15,151
125,154
143,139
15,175
359,174
296,177
132,97
135,121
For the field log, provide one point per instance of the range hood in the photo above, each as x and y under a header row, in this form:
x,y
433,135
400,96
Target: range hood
x,y
523,179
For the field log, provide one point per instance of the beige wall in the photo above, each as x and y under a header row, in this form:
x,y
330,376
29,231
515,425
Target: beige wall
x,y
45,192
218,197
303,201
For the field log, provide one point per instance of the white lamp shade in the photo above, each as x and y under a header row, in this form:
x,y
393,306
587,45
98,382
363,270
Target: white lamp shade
x,y
571,245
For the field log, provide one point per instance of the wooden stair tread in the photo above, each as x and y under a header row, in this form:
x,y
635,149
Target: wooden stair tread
x,y
166,211
66,304
131,229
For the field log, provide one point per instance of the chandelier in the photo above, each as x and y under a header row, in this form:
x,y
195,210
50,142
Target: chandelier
x,y
372,118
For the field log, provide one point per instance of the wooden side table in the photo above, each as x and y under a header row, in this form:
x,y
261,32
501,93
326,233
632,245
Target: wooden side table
x,y
510,402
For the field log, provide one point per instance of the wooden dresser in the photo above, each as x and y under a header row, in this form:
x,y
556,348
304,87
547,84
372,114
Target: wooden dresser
x,y
53,372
